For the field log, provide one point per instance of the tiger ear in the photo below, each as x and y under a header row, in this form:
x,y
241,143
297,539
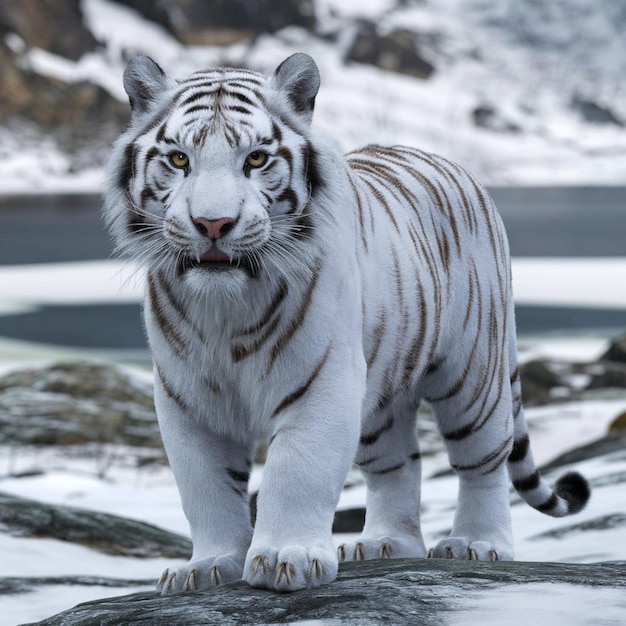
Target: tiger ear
x,y
299,78
144,81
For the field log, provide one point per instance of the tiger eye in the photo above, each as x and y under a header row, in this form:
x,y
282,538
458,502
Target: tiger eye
x,y
179,159
256,159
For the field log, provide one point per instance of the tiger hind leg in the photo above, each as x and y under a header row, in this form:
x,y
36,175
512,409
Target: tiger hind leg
x,y
389,459
479,443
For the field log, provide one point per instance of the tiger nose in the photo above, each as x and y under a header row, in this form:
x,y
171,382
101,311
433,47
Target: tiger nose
x,y
214,229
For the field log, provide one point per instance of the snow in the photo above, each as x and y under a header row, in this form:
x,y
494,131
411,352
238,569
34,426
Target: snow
x,y
580,282
586,282
552,604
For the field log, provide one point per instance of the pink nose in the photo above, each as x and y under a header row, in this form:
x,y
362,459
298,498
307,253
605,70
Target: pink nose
x,y
214,229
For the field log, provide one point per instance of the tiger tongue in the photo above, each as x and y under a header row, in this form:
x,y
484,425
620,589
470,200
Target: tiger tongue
x,y
214,254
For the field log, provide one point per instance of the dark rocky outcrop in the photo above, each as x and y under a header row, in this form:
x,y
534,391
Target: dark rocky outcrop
x,y
222,22
397,51
610,371
111,534
488,117
403,591
80,117
537,382
613,442
15,584
52,25
595,113
616,351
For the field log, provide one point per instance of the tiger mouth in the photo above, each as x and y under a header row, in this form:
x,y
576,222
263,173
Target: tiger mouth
x,y
215,260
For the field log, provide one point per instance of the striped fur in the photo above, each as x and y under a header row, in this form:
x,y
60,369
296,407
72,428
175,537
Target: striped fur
x,y
314,300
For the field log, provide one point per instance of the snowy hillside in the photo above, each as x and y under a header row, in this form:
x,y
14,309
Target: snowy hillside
x,y
522,92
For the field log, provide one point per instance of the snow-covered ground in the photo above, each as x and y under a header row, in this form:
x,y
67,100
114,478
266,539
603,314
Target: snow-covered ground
x,y
502,56
150,494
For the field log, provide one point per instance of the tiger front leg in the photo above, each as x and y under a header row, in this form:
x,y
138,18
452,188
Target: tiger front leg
x,y
212,476
308,460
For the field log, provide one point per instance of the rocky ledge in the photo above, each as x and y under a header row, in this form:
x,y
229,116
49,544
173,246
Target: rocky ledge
x,y
403,591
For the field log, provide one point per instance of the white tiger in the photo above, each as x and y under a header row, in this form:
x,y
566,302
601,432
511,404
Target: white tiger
x,y
314,300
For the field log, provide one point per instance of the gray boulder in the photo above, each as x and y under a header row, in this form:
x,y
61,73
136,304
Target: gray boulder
x,y
616,351
403,591
77,402
397,51
111,534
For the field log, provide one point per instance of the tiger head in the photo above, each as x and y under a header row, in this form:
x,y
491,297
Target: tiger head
x,y
214,177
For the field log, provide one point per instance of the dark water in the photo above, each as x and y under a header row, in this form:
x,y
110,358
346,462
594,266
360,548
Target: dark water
x,y
564,221
554,222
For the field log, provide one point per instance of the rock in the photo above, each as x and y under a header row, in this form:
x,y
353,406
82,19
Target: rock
x,y
81,118
593,112
14,585
78,402
402,591
103,532
606,445
617,350
223,22
537,381
607,374
605,522
488,117
618,425
52,25
397,51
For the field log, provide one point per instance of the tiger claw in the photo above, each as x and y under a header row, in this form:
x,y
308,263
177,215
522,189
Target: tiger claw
x,y
385,551
285,571
471,555
359,552
341,552
191,582
162,580
216,576
260,564
315,569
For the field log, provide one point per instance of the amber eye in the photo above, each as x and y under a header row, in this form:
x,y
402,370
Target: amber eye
x,y
179,159
256,159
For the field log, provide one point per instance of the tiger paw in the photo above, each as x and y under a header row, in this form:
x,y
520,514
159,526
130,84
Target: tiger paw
x,y
389,547
463,548
290,568
201,575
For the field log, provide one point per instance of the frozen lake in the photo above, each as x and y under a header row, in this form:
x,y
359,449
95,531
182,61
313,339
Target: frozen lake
x,y
545,222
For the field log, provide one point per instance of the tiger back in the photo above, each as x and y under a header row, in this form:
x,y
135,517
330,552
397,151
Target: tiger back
x,y
314,300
